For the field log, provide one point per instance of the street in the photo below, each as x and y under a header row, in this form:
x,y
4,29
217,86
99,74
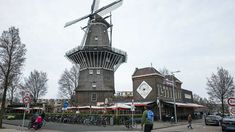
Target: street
x,y
196,128
59,127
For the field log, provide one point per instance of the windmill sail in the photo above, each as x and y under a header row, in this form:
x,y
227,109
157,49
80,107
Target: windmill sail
x,y
76,20
95,5
108,8
102,11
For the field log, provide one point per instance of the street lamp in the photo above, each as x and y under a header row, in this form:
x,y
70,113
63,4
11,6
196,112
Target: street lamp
x,y
173,85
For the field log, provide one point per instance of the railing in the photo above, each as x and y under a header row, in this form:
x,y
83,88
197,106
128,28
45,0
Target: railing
x,y
78,48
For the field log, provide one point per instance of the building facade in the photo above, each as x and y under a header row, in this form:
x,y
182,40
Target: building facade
x,y
149,85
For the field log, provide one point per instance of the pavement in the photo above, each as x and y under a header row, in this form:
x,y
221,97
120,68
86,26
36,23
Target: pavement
x,y
157,125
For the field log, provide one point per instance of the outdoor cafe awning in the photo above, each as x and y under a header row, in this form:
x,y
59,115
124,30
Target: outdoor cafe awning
x,y
138,103
116,106
189,105
24,108
119,106
91,107
21,108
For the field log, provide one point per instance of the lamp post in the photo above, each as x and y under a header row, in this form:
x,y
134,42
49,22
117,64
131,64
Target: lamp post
x,y
173,86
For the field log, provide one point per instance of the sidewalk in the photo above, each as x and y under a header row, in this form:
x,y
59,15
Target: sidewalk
x,y
12,128
157,125
160,125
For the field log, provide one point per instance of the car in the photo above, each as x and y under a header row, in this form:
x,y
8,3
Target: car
x,y
228,123
213,120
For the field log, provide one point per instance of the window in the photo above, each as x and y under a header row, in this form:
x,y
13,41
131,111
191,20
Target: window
x,y
93,85
162,91
176,94
97,71
96,38
93,97
90,71
170,93
166,92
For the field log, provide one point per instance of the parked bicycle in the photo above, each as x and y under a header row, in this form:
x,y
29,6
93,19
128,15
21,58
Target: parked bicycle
x,y
129,124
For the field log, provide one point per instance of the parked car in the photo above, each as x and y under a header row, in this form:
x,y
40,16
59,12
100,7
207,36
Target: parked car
x,y
228,123
213,120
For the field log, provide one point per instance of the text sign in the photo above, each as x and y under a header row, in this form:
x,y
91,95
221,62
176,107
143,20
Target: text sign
x,y
231,101
26,100
232,111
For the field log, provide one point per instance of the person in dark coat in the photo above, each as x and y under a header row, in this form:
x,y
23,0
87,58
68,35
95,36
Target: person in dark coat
x,y
43,115
189,121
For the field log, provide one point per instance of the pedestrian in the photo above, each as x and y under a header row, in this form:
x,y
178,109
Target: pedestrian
x,y
147,119
33,118
189,121
204,119
43,115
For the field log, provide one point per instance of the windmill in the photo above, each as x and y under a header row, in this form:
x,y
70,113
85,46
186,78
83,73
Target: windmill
x,y
97,59
96,15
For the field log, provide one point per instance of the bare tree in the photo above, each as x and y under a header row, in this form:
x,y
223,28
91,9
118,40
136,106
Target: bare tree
x,y
13,89
12,53
210,104
36,84
220,86
196,98
164,71
68,82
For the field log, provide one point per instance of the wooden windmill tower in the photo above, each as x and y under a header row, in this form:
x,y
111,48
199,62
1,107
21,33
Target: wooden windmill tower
x,y
97,59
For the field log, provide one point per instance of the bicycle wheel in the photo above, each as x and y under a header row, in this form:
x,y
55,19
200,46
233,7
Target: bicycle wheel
x,y
134,125
86,122
104,123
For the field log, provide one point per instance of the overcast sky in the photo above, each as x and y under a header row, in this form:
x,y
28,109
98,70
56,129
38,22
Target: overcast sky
x,y
193,36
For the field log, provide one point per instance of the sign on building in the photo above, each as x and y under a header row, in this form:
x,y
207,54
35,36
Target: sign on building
x,y
144,89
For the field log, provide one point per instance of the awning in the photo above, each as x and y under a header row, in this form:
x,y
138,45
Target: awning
x,y
138,103
190,105
72,108
21,108
91,107
25,108
119,106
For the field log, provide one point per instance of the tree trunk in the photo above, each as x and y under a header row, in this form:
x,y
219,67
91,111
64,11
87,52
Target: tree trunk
x,y
222,107
3,103
11,99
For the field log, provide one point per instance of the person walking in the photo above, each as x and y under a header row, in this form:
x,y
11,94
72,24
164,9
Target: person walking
x,y
43,115
147,119
189,121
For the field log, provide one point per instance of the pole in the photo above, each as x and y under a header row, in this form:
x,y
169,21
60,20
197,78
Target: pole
x,y
159,104
132,111
160,110
174,97
24,116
